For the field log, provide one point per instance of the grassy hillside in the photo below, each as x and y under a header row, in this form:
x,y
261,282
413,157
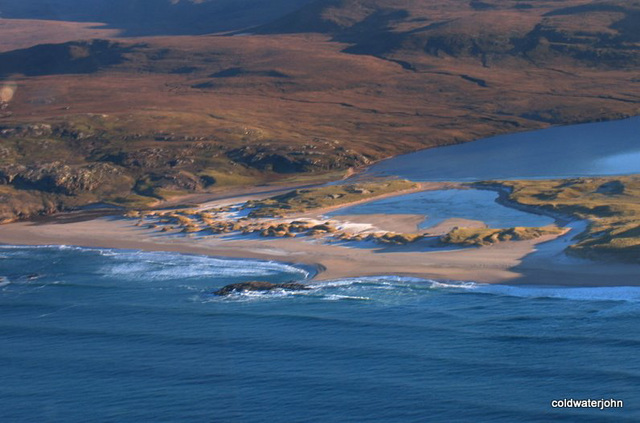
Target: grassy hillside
x,y
175,115
303,200
603,33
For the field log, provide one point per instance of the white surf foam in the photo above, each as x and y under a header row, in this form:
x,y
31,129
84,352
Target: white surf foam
x,y
453,285
338,297
58,247
620,293
616,293
164,266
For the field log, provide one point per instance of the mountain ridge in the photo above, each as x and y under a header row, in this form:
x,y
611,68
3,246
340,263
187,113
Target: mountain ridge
x,y
543,32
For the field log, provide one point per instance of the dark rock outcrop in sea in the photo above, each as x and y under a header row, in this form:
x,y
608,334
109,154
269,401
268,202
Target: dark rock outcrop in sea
x,y
259,286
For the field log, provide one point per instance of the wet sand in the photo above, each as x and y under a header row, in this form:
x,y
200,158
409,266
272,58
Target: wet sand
x,y
502,263
336,260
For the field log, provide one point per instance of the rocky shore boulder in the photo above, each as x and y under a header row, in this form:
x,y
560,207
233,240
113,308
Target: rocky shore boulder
x,y
259,286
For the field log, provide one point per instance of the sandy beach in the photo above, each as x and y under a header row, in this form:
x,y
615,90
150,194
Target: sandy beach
x,y
510,262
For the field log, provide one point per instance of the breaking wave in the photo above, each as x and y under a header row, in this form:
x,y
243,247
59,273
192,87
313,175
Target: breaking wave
x,y
383,288
166,266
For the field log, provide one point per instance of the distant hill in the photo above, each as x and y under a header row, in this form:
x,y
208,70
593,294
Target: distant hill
x,y
52,59
604,33
155,17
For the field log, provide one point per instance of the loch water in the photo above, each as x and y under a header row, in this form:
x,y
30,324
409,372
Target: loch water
x,y
591,149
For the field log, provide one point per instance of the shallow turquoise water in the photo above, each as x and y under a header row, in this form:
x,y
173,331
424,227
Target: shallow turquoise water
x,y
105,335
440,205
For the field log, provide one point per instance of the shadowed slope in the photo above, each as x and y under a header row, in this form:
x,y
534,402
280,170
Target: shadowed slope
x,y
176,115
155,17
600,33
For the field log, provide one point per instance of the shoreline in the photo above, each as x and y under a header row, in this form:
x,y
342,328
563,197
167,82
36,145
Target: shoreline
x,y
532,262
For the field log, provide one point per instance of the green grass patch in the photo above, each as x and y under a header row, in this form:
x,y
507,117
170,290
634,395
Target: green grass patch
x,y
610,204
302,200
486,236
216,178
133,201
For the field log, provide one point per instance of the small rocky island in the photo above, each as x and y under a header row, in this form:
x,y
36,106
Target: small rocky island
x,y
236,288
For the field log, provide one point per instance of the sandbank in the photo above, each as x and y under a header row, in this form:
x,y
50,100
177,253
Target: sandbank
x,y
501,263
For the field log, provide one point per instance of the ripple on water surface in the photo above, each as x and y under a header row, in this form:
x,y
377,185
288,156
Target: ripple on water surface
x,y
604,148
131,336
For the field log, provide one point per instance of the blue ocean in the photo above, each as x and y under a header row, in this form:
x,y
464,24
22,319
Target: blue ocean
x,y
124,336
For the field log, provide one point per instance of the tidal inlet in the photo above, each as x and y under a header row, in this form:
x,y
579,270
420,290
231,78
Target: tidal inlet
x,y
319,211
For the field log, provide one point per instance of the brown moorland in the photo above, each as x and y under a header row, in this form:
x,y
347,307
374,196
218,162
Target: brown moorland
x,y
334,86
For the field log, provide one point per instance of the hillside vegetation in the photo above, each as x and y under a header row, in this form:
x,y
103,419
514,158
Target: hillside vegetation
x,y
612,206
302,200
603,33
481,237
322,88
